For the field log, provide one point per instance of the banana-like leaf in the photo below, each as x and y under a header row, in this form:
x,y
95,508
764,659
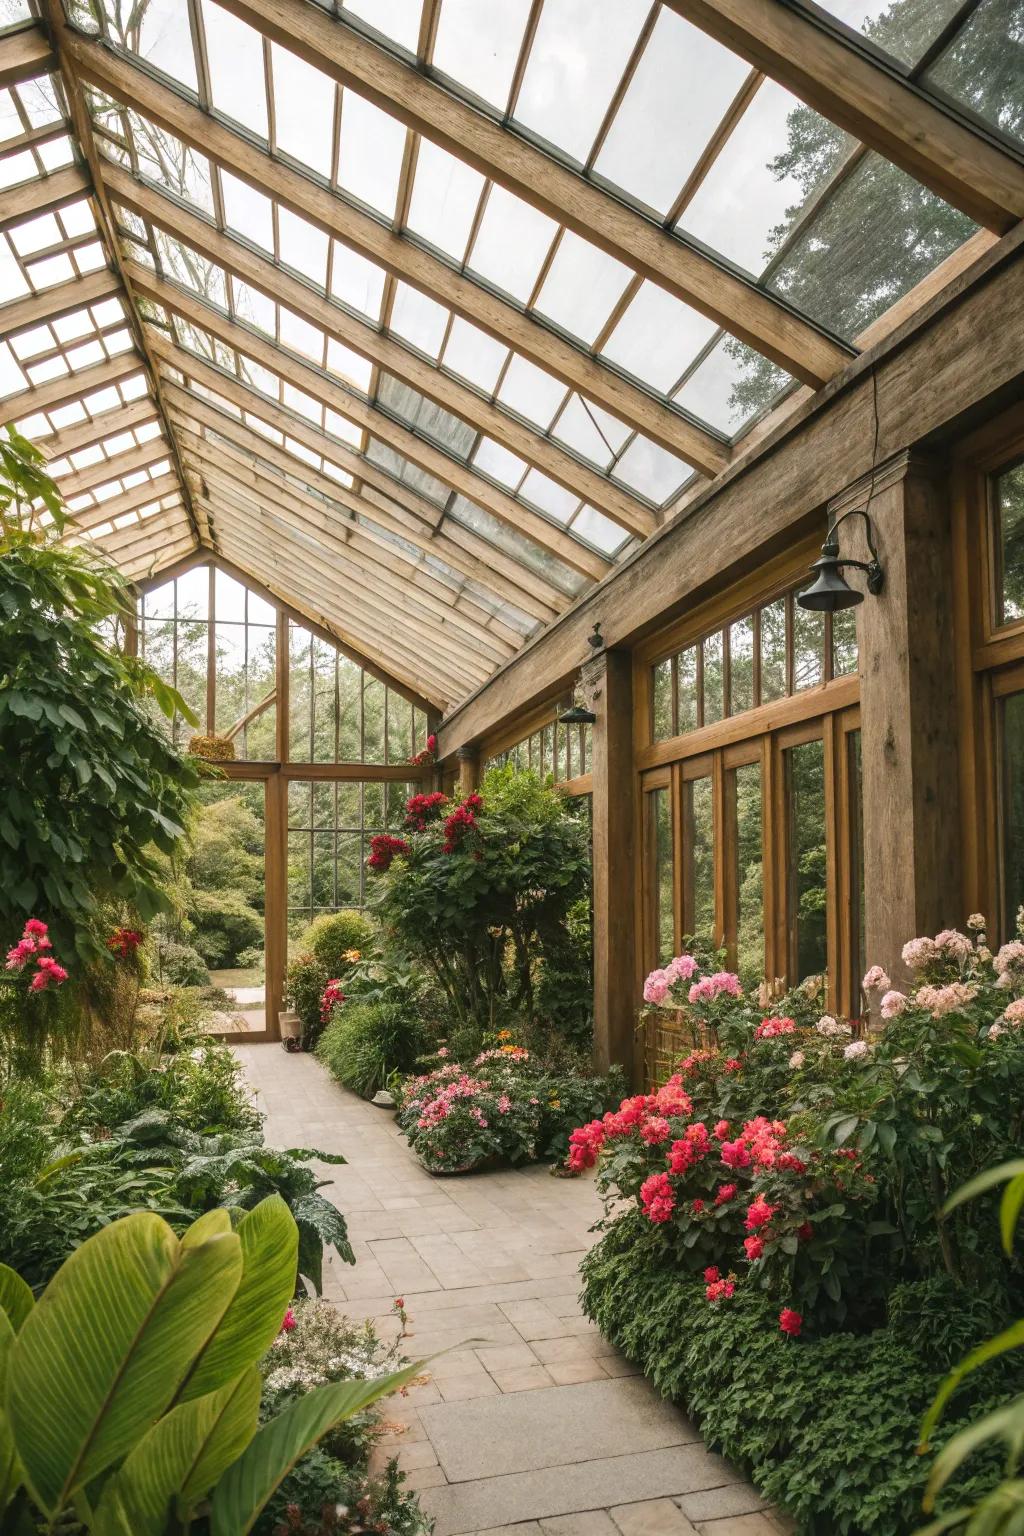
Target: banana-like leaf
x,y
1010,1209
16,1298
211,1224
1010,1338
984,1181
270,1247
1006,1424
10,1471
179,1460
104,1352
245,1488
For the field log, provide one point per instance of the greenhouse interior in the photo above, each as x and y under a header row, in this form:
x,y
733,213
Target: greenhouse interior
x,y
512,767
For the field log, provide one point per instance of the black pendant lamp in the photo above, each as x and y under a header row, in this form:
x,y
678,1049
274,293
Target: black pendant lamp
x,y
830,591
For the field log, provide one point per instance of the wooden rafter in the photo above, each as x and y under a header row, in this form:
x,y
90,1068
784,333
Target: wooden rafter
x,y
334,393
856,90
565,360
733,302
131,462
29,199
25,52
62,299
127,501
72,386
121,418
390,355
416,517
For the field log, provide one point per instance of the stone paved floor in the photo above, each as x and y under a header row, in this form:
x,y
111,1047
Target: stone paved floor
x,y
530,1423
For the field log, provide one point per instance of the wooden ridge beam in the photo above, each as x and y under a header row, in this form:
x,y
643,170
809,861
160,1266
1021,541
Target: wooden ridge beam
x,y
403,364
413,511
62,299
736,303
25,53
875,103
455,634
28,199
71,386
190,407
629,401
333,392
306,575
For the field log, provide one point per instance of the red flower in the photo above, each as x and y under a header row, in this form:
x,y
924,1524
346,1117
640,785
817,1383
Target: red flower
x,y
759,1213
711,1274
461,820
331,998
805,1233
697,1207
288,1322
726,1192
754,1248
790,1322
384,849
420,810
124,942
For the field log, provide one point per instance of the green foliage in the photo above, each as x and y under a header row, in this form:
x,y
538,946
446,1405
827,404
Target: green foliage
x,y
138,1367
179,965
333,935
224,923
568,1098
226,847
484,909
826,1427
564,981
304,987
366,1042
90,789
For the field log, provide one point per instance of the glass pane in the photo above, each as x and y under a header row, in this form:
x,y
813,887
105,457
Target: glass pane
x,y
698,859
858,938
981,67
714,678
1012,810
373,720
686,689
773,651
844,642
741,666
806,859
748,872
661,681
1008,510
808,647
660,806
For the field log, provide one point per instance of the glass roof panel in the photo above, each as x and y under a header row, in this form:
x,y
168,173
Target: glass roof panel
x,y
981,68
531,392
651,470
732,385
479,45
678,95
576,428
582,287
778,155
419,320
579,53
511,243
549,497
303,110
474,355
599,530
428,418
877,235
371,147
247,211
302,246
499,463
235,55
657,337
904,29
445,194
419,479
518,545
396,19
356,281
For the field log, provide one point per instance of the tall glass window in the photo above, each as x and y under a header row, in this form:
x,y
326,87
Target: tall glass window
x,y
744,791
659,803
806,860
1012,808
1008,517
330,825
698,858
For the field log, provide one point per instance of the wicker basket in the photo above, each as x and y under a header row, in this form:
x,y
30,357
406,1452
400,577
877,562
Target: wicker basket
x,y
215,749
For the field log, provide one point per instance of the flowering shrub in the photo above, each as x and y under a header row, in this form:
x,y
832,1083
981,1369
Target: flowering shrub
x,y
332,997
123,942
32,949
426,755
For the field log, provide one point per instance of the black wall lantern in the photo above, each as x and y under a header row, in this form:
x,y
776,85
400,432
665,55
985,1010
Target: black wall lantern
x,y
829,592
577,715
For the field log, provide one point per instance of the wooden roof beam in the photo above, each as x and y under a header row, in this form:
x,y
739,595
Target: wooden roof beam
x,y
874,102
25,53
405,365
70,387
732,301
564,359
84,434
524,588
197,411
131,462
62,299
335,394
43,194
126,501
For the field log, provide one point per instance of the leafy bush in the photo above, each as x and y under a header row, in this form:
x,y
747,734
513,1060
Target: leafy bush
x,y
90,787
334,936
137,1375
224,924
565,993
479,893
304,988
827,1428
180,965
366,1042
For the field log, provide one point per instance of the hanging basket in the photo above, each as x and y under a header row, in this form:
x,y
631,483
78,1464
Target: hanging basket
x,y
215,749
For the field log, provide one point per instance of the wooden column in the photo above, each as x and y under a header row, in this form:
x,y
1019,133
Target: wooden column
x,y
908,719
469,770
607,688
275,867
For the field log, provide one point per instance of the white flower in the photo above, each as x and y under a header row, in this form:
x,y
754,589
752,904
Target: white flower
x,y
855,1050
976,921
797,1059
995,1030
832,1029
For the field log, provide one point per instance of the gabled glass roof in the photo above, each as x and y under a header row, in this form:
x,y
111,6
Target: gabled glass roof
x,y
506,399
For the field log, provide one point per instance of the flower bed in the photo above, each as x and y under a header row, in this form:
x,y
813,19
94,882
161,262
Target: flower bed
x,y
504,1106
789,1179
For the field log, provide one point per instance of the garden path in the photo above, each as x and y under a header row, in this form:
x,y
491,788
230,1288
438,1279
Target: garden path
x,y
530,1423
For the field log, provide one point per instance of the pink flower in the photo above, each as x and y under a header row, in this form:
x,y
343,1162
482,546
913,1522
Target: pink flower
x,y
952,998
288,1322
711,1274
957,946
655,1131
1013,1013
657,1198
720,1290
855,1050
1011,956
722,983
769,1028
36,928
754,1248
726,1192
759,1213
681,968
875,980
790,1322
797,1060
656,987
892,1004
721,1130
680,1156
977,922
919,953
832,1029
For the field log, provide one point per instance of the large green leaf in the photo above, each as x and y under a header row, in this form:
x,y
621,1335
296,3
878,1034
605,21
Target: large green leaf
x,y
1005,1424
989,1349
180,1459
16,1298
10,1471
270,1246
245,1488
105,1350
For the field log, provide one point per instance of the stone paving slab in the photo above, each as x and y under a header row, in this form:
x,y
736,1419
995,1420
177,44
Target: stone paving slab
x,y
530,1423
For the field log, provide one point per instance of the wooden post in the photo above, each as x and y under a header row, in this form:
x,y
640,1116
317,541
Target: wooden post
x,y
607,687
469,770
275,866
907,703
